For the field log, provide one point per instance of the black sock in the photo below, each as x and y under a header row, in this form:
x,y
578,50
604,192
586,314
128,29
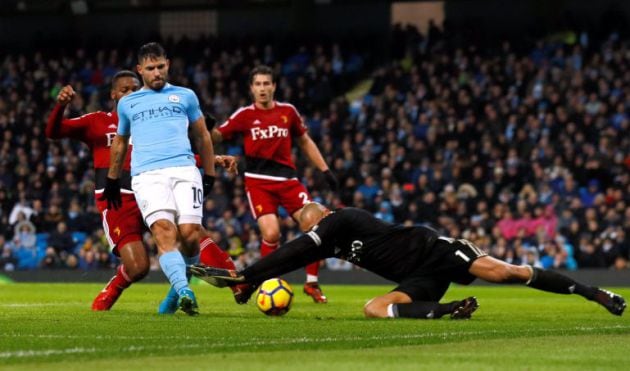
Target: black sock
x,y
423,309
560,284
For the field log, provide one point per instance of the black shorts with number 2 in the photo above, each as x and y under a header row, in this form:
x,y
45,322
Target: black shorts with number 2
x,y
448,262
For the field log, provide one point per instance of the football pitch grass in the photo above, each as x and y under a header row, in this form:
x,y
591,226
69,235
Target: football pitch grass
x,y
50,326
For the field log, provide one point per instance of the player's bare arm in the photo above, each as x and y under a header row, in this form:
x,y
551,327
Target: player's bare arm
x,y
217,137
203,143
64,97
309,148
118,151
315,156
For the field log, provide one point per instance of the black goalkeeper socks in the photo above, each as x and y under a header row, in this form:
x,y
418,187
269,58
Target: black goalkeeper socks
x,y
423,309
560,284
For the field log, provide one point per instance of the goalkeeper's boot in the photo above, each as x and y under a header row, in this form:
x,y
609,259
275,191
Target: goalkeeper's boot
x,y
187,302
107,297
242,292
218,277
611,301
465,308
313,290
169,304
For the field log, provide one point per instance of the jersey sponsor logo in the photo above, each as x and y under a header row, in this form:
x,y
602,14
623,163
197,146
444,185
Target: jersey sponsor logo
x,y
164,111
271,132
354,256
110,138
173,98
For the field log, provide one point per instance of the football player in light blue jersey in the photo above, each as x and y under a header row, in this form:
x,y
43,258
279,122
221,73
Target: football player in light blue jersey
x,y
167,185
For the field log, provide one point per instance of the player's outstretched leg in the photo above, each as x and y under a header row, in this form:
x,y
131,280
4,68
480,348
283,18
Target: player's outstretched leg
x,y
555,282
460,309
311,287
112,291
614,303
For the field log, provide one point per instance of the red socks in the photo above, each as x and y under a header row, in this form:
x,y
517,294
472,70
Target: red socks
x,y
312,269
120,280
267,248
212,255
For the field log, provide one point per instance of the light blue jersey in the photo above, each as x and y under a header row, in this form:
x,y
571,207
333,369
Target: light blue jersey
x,y
158,123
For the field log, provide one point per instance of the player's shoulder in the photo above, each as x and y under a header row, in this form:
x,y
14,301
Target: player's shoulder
x,y
176,89
245,110
286,106
96,115
127,99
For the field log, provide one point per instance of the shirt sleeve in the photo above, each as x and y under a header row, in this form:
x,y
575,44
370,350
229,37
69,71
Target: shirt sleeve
x,y
298,126
57,127
324,234
232,126
123,119
193,109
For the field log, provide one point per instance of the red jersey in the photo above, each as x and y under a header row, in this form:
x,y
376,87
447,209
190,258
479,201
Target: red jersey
x,y
268,138
97,130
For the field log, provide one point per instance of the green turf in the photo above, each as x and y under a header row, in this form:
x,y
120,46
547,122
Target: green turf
x,y
50,326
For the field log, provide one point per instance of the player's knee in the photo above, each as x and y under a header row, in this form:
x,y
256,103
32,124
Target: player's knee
x,y
137,270
191,233
375,309
271,236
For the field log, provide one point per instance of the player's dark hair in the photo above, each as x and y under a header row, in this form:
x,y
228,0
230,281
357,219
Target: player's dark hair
x,y
261,70
123,73
151,50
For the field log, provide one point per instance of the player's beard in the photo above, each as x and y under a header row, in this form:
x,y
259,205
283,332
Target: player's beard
x,y
157,84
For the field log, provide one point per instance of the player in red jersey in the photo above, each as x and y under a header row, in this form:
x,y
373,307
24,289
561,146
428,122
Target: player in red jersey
x,y
123,226
271,180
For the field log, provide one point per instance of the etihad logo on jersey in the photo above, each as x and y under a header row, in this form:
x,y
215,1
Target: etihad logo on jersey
x,y
164,111
270,132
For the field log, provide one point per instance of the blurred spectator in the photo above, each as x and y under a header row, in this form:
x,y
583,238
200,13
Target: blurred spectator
x,y
8,262
63,245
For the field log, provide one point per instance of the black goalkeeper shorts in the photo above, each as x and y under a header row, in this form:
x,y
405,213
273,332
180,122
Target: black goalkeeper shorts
x,y
448,262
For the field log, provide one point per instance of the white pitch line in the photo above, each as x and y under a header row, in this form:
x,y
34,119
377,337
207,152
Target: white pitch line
x,y
263,342
36,305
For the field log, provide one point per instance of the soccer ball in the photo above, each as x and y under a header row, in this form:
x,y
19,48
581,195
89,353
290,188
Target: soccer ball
x,y
274,297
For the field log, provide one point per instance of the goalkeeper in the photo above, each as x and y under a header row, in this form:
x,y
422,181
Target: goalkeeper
x,y
417,258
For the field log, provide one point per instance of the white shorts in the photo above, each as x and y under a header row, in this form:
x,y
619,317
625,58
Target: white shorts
x,y
176,190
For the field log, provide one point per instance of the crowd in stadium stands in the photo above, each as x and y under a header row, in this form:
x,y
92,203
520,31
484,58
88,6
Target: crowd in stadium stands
x,y
523,152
